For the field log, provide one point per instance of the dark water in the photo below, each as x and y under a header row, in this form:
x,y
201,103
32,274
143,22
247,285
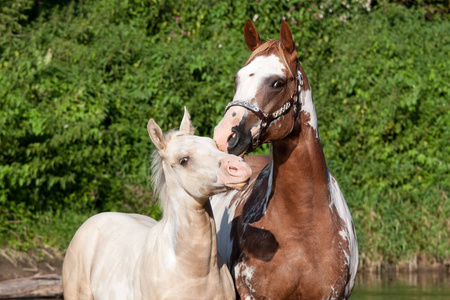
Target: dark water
x,y
415,286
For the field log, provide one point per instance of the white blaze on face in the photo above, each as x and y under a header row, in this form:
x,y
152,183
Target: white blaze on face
x,y
248,82
250,77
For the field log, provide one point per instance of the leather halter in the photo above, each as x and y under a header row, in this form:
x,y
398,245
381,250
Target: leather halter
x,y
268,118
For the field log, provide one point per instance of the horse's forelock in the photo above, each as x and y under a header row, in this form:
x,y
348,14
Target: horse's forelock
x,y
265,48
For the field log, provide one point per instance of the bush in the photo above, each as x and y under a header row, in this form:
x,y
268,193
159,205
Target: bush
x,y
385,115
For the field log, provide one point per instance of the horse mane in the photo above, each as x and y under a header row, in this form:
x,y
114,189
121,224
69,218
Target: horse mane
x,y
265,49
158,179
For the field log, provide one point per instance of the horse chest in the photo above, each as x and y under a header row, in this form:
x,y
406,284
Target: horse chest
x,y
285,276
288,275
280,260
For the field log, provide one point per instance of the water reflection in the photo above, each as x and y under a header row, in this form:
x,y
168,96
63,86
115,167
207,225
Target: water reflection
x,y
415,286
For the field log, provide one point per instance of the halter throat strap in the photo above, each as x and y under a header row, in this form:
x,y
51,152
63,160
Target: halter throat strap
x,y
268,118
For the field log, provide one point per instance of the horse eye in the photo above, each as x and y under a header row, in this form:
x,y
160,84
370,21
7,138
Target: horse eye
x,y
184,161
278,84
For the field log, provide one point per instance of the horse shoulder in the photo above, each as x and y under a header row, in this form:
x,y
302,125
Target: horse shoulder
x,y
104,253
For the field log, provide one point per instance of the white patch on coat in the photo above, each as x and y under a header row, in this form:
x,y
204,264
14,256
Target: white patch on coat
x,y
308,107
261,67
245,275
223,215
347,233
344,234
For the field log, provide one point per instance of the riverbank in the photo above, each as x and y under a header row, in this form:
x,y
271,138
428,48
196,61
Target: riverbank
x,y
48,261
45,261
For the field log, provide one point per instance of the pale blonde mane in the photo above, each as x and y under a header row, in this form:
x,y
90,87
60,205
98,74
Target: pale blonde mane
x,y
265,48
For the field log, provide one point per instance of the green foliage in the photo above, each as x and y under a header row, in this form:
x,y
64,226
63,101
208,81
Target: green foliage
x,y
386,115
13,14
432,8
79,81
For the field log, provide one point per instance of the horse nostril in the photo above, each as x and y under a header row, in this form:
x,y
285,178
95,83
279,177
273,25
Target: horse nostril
x,y
239,140
233,171
233,139
232,135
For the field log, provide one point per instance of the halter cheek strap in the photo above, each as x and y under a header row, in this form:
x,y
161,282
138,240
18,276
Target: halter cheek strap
x,y
268,118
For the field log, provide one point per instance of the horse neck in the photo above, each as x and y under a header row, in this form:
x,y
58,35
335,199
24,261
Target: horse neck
x,y
190,229
299,162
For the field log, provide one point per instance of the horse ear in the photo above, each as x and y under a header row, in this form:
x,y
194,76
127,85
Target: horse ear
x,y
252,38
186,124
156,135
286,38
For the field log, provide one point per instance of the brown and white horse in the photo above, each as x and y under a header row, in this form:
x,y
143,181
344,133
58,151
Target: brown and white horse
x,y
129,256
289,234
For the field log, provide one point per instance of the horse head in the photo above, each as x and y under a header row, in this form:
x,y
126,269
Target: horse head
x,y
194,163
266,102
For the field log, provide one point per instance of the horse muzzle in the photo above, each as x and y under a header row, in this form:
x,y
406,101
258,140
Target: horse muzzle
x,y
233,134
234,172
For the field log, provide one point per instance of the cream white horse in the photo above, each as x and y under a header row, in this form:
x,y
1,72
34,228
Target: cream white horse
x,y
129,256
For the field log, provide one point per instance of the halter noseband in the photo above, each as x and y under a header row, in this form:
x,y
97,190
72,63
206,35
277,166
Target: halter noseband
x,y
268,118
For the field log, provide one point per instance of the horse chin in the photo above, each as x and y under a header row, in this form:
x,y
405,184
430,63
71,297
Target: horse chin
x,y
247,151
